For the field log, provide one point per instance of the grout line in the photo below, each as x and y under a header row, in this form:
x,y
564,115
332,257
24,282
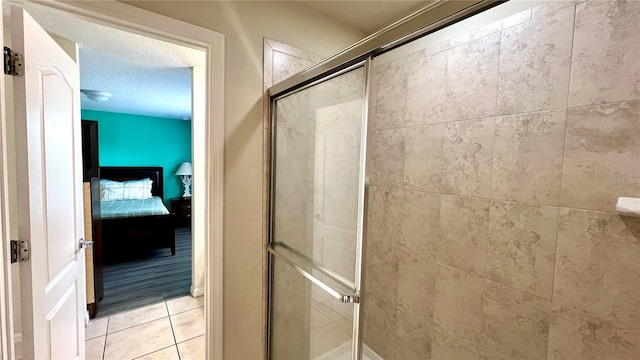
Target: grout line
x,y
189,339
565,108
175,343
132,326
106,333
500,200
149,353
485,279
184,311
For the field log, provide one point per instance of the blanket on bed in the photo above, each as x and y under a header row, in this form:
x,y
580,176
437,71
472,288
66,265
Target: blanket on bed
x,y
132,208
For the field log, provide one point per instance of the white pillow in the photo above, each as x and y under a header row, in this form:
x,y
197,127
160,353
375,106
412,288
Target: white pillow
x,y
110,190
137,189
128,190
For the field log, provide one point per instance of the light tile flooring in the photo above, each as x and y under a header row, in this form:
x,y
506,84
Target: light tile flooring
x,y
170,330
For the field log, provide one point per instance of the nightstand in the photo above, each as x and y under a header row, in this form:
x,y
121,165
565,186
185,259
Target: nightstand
x,y
182,208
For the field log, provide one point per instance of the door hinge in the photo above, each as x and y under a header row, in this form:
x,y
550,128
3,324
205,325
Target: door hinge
x,y
19,250
13,64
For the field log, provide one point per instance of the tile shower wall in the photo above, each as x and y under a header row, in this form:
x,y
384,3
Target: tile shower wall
x,y
497,158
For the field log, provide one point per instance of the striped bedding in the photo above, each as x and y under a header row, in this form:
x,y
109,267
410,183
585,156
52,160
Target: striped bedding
x,y
132,208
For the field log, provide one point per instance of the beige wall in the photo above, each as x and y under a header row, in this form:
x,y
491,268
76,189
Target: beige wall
x,y
244,25
499,153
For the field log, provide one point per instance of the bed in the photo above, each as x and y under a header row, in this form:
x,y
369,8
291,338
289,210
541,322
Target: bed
x,y
132,227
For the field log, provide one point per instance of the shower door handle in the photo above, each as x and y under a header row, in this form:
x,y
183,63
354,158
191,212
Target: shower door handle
x,y
345,298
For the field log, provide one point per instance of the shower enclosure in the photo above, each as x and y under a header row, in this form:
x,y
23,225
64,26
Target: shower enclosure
x,y
446,189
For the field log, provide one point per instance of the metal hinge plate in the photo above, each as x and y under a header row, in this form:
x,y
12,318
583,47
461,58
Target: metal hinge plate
x,y
13,63
19,250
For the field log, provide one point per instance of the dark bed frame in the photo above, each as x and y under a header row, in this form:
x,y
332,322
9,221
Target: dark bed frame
x,y
124,237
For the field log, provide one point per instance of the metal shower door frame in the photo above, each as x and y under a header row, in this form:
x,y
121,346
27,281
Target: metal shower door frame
x,y
273,248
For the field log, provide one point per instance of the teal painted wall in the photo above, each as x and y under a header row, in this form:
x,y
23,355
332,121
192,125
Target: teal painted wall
x,y
134,140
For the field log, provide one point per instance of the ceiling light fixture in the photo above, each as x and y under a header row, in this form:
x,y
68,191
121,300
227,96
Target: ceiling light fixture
x,y
96,95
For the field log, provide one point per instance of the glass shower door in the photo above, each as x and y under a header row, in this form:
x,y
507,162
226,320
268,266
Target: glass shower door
x,y
317,198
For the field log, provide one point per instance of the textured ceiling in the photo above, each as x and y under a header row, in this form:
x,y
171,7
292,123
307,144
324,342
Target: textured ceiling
x,y
144,75
367,16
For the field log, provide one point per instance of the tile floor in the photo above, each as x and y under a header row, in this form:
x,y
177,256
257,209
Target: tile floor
x,y
169,330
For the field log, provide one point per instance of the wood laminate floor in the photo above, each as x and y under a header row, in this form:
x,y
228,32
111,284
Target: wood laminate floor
x,y
150,280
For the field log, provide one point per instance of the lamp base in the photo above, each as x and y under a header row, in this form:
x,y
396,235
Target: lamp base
x,y
186,182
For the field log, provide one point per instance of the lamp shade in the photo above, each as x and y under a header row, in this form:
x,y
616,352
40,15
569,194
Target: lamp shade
x,y
185,169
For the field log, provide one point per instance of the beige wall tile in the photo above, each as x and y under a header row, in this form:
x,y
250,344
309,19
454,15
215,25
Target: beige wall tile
x,y
285,65
597,265
605,66
467,150
388,155
340,257
291,321
293,159
422,166
291,204
458,306
391,95
472,74
379,323
601,160
384,219
413,338
420,225
464,225
535,59
426,89
578,335
381,274
528,157
522,247
445,348
502,24
550,7
516,324
416,279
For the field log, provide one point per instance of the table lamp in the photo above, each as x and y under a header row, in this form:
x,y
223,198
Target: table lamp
x,y
185,171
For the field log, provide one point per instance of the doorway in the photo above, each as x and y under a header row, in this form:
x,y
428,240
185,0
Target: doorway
x,y
208,118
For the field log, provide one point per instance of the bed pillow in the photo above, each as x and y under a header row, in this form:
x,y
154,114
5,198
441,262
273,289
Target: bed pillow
x,y
137,189
128,190
110,190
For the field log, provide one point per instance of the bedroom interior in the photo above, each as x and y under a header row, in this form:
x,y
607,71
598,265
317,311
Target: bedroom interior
x,y
142,250
139,261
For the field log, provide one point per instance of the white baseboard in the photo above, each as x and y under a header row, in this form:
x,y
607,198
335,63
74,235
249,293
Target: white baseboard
x,y
195,292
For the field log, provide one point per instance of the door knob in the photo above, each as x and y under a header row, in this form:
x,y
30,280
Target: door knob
x,y
82,243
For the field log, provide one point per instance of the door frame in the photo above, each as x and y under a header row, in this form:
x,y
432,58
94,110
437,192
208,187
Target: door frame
x,y
129,18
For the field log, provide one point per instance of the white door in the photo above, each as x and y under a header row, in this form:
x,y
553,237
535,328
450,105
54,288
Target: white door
x,y
49,176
